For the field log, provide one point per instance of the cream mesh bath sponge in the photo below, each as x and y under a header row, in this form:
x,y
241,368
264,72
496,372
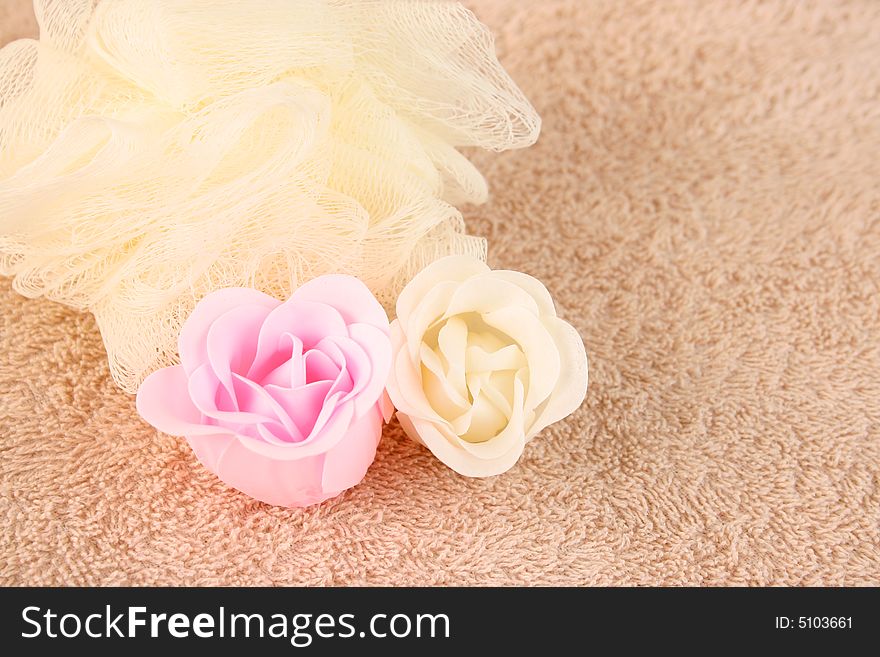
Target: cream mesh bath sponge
x,y
151,152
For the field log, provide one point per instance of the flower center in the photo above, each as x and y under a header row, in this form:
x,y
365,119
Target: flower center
x,y
469,369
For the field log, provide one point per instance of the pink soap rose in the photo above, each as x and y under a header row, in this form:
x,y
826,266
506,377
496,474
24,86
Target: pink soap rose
x,y
283,401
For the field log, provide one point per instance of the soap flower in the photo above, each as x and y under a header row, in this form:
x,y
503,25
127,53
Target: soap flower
x,y
282,401
481,364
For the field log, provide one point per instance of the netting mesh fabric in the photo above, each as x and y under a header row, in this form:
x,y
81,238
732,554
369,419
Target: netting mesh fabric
x,y
151,152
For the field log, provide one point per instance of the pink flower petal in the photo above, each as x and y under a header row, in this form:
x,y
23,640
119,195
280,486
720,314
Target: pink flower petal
x,y
303,405
163,400
320,367
256,399
386,406
343,381
281,376
346,464
274,433
290,371
192,343
288,483
203,387
307,320
331,432
232,343
330,427
328,412
376,344
353,362
348,295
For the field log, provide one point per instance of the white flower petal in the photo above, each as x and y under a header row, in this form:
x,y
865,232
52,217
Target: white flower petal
x,y
450,268
432,364
426,313
532,285
404,383
485,293
406,388
501,389
464,463
461,423
489,340
510,436
440,394
486,421
510,357
538,346
571,387
452,341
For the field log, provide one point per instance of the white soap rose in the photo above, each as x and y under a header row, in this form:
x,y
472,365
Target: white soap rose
x,y
481,364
